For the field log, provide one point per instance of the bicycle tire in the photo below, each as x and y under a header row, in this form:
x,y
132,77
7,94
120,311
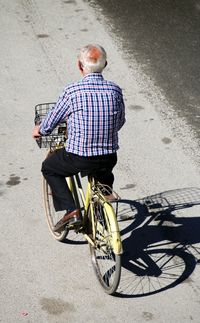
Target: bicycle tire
x,y
106,264
50,213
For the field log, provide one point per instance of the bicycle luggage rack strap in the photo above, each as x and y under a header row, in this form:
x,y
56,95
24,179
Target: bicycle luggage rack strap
x,y
58,136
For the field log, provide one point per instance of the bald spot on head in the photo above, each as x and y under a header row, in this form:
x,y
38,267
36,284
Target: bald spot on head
x,y
94,54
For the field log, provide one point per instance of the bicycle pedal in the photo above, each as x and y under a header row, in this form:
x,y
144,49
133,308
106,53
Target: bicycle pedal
x,y
77,229
75,225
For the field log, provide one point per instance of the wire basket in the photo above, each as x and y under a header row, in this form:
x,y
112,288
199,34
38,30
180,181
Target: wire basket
x,y
58,136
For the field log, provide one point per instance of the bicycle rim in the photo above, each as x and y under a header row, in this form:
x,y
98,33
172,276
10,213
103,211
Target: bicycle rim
x,y
51,216
106,264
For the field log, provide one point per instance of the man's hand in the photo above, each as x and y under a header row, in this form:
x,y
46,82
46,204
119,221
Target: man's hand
x,y
36,132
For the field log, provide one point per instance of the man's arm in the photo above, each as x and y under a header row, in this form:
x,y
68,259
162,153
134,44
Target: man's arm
x,y
122,118
55,115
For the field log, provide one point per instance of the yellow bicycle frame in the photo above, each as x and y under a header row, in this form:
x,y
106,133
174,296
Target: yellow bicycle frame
x,y
111,219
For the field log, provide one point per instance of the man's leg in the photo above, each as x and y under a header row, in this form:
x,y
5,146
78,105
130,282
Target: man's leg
x,y
55,168
106,176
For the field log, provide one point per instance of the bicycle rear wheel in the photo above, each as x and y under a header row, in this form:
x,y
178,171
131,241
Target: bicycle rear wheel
x,y
106,264
51,216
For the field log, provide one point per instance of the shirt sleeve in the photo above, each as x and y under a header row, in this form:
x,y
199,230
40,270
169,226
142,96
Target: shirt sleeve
x,y
122,118
55,115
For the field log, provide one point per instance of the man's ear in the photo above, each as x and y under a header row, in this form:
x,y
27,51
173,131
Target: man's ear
x,y
80,66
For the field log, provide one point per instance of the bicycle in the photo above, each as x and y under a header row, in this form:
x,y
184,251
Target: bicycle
x,y
99,226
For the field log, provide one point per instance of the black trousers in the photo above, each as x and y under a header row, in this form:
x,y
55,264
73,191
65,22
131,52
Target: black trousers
x,y
61,164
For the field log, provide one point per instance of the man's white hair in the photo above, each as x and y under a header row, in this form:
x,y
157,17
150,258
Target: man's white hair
x,y
90,63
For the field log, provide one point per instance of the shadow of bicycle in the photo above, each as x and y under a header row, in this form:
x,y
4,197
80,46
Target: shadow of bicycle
x,y
161,241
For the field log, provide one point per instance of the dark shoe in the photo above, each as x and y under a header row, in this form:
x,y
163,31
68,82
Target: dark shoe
x,y
73,217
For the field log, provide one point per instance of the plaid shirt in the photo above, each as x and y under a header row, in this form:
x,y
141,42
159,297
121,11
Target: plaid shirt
x,y
94,110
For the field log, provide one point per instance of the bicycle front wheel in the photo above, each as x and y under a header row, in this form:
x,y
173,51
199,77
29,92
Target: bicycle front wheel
x,y
51,216
106,263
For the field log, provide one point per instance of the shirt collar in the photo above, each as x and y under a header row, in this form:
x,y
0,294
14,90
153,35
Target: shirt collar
x,y
92,76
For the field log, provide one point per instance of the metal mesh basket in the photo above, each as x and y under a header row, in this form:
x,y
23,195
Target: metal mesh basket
x,y
58,136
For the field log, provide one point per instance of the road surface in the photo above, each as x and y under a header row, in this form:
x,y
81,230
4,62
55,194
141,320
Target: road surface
x,y
46,281
163,37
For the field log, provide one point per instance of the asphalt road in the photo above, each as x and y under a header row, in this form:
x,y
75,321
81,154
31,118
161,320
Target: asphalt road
x,y
163,37
43,280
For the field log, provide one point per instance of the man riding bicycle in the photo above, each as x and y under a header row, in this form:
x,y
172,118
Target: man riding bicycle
x,y
94,111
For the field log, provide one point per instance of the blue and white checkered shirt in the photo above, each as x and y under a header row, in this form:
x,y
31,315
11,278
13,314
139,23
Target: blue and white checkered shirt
x,y
94,110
